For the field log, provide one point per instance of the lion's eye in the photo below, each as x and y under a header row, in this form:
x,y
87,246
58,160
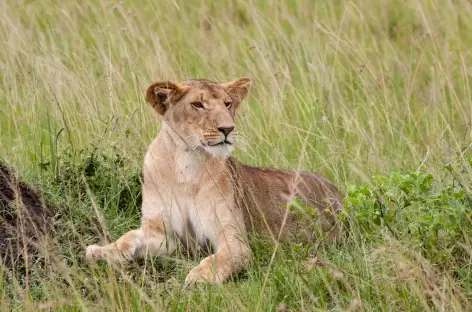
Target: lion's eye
x,y
197,105
228,104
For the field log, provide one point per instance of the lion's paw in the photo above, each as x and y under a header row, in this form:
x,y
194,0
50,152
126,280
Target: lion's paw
x,y
93,253
202,273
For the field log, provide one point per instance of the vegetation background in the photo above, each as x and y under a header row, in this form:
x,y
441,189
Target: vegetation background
x,y
374,94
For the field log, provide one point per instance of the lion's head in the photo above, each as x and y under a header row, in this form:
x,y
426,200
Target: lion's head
x,y
200,113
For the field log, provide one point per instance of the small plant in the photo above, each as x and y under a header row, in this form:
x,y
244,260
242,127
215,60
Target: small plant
x,y
432,219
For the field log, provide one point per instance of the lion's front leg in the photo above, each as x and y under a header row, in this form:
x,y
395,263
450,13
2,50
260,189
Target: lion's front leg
x,y
231,256
151,238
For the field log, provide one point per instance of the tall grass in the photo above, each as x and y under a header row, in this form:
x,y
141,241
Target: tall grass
x,y
345,88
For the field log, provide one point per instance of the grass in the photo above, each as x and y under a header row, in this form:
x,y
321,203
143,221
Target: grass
x,y
349,89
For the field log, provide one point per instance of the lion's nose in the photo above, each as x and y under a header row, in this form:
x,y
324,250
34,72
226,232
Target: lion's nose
x,y
226,130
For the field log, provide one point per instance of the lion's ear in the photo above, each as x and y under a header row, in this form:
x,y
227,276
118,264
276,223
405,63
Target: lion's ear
x,y
160,94
238,88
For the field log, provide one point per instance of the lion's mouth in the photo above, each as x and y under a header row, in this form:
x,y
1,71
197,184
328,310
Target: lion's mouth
x,y
222,143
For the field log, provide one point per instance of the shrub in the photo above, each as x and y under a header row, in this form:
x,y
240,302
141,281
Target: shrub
x,y
433,218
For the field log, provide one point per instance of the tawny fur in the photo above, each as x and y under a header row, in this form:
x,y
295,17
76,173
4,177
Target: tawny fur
x,y
194,192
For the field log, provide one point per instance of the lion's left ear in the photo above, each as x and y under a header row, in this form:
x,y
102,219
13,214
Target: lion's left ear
x,y
238,88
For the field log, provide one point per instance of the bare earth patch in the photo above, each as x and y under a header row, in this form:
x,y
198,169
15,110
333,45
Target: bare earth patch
x,y
25,218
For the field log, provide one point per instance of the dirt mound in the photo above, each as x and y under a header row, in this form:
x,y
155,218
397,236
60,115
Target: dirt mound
x,y
25,219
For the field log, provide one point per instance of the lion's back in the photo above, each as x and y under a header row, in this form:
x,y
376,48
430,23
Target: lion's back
x,y
265,193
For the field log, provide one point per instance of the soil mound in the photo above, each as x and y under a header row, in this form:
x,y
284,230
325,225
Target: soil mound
x,y
25,218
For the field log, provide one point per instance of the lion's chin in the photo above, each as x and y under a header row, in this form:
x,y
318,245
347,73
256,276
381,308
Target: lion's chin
x,y
220,150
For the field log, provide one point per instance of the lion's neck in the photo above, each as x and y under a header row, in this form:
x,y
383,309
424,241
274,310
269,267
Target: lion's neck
x,y
189,166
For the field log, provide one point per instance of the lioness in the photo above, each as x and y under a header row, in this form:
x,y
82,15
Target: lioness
x,y
194,192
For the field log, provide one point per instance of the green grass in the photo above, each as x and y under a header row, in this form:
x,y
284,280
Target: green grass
x,y
350,89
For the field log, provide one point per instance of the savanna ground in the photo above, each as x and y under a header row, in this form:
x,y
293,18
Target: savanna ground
x,y
375,94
